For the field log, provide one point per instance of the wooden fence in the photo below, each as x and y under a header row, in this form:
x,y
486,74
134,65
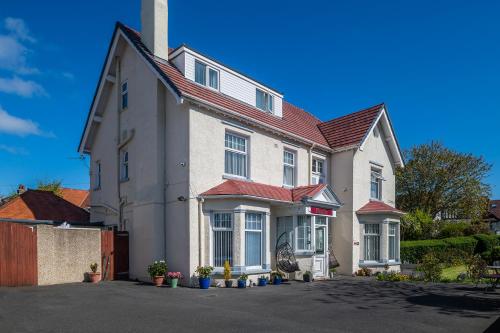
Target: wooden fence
x,y
18,255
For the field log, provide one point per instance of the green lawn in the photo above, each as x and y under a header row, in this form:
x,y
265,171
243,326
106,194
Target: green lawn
x,y
451,273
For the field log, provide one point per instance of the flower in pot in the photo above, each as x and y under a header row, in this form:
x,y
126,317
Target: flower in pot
x,y
262,281
307,276
174,278
204,273
332,272
276,277
157,272
242,281
94,275
227,274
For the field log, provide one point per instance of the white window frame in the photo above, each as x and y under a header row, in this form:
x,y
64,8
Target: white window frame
x,y
377,175
124,165
236,151
208,68
97,175
372,234
309,249
318,177
222,229
392,232
268,101
124,94
292,166
261,232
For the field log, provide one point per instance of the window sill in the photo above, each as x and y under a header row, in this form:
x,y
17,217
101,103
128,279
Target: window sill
x,y
124,180
304,253
227,176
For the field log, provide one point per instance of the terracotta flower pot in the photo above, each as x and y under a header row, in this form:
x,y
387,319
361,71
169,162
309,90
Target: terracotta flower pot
x,y
158,280
95,277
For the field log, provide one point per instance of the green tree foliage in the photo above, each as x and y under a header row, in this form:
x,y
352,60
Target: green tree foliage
x,y
52,186
418,225
437,179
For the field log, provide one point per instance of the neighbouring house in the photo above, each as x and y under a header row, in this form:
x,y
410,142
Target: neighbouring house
x,y
494,216
201,164
37,206
80,198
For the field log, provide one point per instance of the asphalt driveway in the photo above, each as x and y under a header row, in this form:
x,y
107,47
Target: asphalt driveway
x,y
345,304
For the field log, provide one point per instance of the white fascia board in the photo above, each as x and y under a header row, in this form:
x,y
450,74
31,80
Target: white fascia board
x,y
236,196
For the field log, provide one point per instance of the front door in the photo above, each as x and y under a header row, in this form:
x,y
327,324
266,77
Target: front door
x,y
320,254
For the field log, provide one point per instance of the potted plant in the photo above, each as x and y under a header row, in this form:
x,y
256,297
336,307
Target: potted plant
x,y
242,281
262,281
204,273
94,275
332,272
276,277
307,276
227,274
174,278
157,272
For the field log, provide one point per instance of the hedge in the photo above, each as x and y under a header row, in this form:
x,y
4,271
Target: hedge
x,y
486,243
466,244
413,251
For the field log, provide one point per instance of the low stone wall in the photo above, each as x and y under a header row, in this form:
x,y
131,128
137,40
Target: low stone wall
x,y
64,255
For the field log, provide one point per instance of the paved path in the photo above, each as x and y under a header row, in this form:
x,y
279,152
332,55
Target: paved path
x,y
343,305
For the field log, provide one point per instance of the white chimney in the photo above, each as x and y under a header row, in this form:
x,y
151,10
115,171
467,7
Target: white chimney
x,y
154,21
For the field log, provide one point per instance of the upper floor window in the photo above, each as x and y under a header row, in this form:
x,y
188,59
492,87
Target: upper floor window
x,y
235,155
202,71
264,101
318,171
124,95
376,184
288,168
97,180
124,165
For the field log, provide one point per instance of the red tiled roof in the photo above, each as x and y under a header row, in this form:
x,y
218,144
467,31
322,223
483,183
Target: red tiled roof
x,y
351,129
374,207
43,205
494,208
240,187
80,198
295,120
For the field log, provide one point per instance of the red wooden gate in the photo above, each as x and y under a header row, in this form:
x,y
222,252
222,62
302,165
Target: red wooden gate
x,y
114,254
18,255
121,258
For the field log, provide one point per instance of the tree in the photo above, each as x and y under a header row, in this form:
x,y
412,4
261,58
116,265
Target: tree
x,y
53,186
437,179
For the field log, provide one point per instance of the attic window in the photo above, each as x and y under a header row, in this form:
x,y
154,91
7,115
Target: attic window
x,y
264,101
202,72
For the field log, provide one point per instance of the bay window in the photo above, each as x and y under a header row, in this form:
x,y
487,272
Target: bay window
x,y
222,238
288,168
253,239
372,242
392,241
235,155
304,233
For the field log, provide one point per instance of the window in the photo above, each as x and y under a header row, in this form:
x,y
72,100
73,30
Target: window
x,y
97,180
372,242
236,155
253,239
318,171
393,227
285,225
288,168
223,238
202,71
376,184
124,95
304,233
264,101
124,165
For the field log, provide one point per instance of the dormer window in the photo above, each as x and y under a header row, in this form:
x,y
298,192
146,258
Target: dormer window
x,y
202,72
264,101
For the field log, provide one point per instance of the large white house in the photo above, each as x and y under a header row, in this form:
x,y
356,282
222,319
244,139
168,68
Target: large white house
x,y
201,164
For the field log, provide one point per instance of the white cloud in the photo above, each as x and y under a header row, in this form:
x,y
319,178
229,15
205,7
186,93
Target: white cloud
x,y
21,87
68,75
19,29
10,124
13,150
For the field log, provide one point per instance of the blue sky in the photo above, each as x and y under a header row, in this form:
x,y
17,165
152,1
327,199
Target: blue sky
x,y
436,64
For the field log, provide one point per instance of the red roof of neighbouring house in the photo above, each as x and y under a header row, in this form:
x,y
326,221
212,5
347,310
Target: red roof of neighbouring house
x,y
43,205
80,198
350,130
377,207
494,208
245,188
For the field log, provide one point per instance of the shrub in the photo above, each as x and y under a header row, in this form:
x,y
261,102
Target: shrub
x,y
413,251
204,271
452,229
485,243
227,270
476,267
417,225
93,267
465,244
392,276
431,267
477,228
495,253
243,277
157,268
364,271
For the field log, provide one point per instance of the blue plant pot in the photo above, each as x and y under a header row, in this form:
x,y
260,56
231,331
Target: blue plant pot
x,y
242,283
204,283
277,281
262,282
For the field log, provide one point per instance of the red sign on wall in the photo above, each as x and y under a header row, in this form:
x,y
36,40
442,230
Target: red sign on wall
x,y
322,211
